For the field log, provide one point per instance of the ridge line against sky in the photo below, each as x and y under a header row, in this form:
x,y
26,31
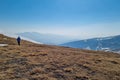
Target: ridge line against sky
x,y
75,18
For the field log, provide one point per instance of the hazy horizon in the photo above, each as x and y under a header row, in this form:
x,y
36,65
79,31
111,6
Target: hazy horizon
x,y
73,18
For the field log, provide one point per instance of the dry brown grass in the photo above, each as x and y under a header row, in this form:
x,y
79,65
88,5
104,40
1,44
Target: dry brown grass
x,y
43,62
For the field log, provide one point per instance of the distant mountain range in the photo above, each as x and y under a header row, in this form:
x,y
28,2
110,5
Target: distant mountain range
x,y
111,43
105,43
45,38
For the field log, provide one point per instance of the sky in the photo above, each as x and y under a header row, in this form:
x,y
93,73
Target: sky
x,y
73,18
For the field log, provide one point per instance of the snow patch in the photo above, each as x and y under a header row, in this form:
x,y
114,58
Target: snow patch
x,y
106,49
27,39
88,48
3,44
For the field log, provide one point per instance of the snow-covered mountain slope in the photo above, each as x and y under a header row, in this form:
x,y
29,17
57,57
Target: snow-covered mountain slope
x,y
105,43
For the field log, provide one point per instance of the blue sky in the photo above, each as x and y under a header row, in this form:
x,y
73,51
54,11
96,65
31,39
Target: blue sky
x,y
75,18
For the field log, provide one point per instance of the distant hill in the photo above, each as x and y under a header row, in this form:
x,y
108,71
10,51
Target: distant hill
x,y
105,43
46,38
32,61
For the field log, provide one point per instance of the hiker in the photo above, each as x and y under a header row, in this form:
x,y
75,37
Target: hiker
x,y
18,40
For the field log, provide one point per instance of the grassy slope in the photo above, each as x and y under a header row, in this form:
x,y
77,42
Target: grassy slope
x,y
43,62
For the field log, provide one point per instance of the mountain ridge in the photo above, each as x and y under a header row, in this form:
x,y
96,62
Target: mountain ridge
x,y
104,43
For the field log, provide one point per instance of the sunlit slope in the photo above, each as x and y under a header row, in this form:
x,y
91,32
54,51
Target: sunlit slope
x,y
43,62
